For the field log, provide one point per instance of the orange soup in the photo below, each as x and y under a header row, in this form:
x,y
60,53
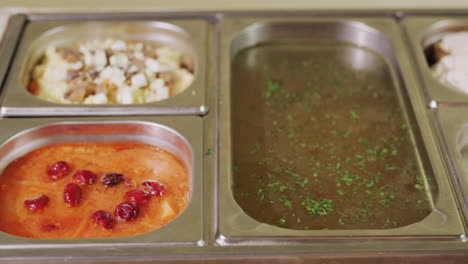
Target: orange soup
x,y
93,189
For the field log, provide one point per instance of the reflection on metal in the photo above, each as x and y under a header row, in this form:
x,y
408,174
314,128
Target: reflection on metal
x,y
453,126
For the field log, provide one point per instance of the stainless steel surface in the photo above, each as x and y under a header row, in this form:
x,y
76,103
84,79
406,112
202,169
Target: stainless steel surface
x,y
206,238
453,124
188,35
182,136
8,45
378,34
423,31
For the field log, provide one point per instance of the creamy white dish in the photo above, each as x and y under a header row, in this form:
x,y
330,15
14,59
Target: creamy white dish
x,y
451,54
111,71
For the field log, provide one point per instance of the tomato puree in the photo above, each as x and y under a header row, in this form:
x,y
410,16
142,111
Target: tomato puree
x,y
27,178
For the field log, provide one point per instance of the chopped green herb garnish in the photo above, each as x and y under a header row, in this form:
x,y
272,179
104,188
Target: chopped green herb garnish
x,y
347,133
317,95
209,152
385,202
370,183
261,192
419,183
273,184
286,202
334,82
364,141
303,182
282,220
383,152
320,207
272,88
391,167
349,179
353,115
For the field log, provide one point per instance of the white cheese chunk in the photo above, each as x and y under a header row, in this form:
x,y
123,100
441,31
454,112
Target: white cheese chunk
x,y
76,66
119,60
132,69
152,65
139,55
99,98
113,74
100,59
139,46
139,80
162,91
118,45
124,95
87,56
57,70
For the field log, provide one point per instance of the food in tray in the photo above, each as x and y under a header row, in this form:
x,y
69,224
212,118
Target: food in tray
x,y
92,189
111,71
451,56
320,140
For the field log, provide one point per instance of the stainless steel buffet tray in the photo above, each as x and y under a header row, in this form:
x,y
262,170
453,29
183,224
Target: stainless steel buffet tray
x,y
191,36
453,123
181,136
378,34
214,226
422,33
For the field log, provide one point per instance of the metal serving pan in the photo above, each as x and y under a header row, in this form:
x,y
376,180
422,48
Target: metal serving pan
x,y
453,124
182,136
380,35
422,32
188,35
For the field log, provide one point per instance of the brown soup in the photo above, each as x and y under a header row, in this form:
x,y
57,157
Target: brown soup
x,y
320,140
